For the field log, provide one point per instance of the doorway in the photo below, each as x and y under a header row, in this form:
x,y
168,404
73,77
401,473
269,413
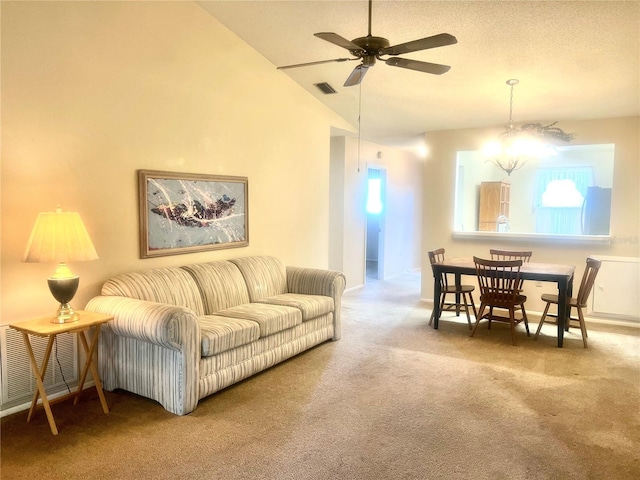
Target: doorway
x,y
374,251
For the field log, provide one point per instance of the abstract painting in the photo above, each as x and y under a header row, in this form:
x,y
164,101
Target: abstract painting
x,y
186,212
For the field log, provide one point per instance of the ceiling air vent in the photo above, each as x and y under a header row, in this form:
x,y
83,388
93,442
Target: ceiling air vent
x,y
325,88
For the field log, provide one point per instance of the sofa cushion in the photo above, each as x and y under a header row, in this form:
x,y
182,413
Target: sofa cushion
x,y
219,334
265,276
311,306
172,286
267,346
271,318
221,284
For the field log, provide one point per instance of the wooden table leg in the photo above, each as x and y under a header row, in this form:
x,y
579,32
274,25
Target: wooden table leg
x,y
562,311
39,373
90,365
569,295
458,281
437,291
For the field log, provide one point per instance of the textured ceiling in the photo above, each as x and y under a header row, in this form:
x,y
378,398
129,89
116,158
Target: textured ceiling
x,y
574,59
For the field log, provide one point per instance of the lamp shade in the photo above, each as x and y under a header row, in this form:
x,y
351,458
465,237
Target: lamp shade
x,y
59,237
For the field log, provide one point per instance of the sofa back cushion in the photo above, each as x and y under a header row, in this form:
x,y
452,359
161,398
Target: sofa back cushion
x,y
173,286
264,276
221,284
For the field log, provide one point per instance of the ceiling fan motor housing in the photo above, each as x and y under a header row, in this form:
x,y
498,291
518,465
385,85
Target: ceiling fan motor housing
x,y
371,46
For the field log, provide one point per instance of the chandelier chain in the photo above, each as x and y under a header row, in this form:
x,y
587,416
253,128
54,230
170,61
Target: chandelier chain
x,y
511,108
512,82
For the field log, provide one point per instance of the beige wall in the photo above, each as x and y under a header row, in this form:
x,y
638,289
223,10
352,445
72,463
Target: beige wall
x,y
625,222
93,91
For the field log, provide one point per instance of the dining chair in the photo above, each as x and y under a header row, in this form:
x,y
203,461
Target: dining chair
x,y
499,280
463,292
524,255
579,302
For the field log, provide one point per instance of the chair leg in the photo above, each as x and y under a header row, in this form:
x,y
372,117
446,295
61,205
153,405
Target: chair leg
x,y
583,327
482,307
433,314
473,305
526,320
544,315
490,317
512,324
466,308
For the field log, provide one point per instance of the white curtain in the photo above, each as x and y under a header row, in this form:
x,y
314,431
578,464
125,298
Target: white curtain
x,y
560,219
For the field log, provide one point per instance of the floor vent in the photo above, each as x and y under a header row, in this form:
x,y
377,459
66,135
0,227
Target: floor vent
x,y
18,382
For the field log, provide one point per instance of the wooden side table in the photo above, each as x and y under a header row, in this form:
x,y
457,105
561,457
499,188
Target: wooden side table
x,y
42,327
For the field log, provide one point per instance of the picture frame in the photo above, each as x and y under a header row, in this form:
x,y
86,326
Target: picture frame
x,y
187,212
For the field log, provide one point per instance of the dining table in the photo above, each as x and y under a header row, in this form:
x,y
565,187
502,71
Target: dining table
x,y
561,275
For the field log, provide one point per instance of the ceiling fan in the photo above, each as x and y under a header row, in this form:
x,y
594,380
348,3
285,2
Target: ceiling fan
x,y
370,48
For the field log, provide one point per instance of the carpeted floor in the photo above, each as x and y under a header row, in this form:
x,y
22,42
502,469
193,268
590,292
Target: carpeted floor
x,y
394,399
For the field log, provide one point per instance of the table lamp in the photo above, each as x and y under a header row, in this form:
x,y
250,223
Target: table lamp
x,y
60,237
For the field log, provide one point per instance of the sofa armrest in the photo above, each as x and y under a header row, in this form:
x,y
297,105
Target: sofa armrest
x,y
150,349
165,325
314,281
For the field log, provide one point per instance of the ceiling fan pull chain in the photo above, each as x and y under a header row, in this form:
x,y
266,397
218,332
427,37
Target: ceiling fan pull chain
x,y
359,122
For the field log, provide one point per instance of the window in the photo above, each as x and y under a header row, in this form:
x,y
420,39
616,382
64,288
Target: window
x,y
559,195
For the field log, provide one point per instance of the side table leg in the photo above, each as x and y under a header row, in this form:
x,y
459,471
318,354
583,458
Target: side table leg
x,y
38,374
89,351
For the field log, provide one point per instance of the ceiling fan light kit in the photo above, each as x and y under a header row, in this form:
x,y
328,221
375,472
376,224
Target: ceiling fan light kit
x,y
370,48
516,146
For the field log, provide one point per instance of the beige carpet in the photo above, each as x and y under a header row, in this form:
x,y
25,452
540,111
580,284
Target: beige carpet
x,y
394,399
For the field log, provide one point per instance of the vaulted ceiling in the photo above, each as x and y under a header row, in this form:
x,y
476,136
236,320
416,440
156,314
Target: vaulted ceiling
x,y
574,59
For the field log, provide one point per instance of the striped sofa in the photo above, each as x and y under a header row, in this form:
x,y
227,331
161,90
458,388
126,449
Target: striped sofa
x,y
180,334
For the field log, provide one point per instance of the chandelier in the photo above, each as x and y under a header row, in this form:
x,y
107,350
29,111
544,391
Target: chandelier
x,y
515,146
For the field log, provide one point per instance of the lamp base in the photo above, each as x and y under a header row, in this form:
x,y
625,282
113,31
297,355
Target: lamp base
x,y
63,289
65,314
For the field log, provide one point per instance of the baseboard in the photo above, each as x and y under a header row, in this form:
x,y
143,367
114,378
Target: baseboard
x,y
353,289
27,405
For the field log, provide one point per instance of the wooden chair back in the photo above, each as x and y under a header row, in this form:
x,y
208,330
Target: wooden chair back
x,y
588,279
499,281
436,256
525,256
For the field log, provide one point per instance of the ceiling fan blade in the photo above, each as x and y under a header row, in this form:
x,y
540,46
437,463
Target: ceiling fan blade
x,y
338,40
356,76
317,63
434,68
435,41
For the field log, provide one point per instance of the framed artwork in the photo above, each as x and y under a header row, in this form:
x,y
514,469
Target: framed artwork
x,y
186,212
